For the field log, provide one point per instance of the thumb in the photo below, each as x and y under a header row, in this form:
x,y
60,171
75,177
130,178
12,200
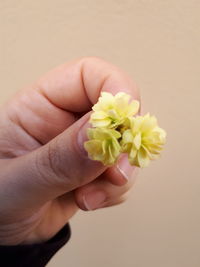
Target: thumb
x,y
56,168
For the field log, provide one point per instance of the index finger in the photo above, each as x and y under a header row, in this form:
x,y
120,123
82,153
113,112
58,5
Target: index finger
x,y
76,86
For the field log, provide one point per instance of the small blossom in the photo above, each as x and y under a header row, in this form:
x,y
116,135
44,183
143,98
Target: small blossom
x,y
103,145
111,111
143,141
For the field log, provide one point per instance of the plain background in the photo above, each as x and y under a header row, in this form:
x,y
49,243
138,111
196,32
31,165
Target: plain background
x,y
158,44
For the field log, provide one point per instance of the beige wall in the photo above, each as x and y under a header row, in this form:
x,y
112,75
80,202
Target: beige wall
x,y
158,43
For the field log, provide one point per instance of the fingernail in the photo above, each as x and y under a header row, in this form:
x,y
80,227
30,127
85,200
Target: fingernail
x,y
94,200
125,168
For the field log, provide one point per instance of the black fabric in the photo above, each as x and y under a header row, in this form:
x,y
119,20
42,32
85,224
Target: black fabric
x,y
36,255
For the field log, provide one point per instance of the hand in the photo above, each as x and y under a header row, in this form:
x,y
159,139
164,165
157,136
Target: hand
x,y
45,174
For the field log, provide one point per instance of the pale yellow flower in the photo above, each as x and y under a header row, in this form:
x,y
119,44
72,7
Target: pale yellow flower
x,y
117,131
103,145
111,111
143,141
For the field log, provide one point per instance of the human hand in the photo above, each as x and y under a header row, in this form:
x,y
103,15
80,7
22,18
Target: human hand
x,y
46,175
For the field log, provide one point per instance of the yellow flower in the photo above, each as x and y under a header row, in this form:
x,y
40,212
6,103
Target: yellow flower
x,y
143,141
111,111
117,131
103,145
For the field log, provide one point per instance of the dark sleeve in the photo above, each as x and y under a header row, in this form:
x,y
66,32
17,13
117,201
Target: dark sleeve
x,y
36,255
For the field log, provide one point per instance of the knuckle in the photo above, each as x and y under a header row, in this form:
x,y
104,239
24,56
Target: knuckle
x,y
53,159
49,165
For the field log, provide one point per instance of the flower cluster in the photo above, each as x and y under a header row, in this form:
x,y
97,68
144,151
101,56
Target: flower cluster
x,y
111,111
143,141
117,130
103,145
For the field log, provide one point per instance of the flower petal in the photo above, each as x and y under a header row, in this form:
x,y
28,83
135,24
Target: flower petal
x,y
143,159
137,141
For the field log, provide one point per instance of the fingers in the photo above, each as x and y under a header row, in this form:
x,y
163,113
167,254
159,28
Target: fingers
x,y
120,173
84,79
47,108
101,193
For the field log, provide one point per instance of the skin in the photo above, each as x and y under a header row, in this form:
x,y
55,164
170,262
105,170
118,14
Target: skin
x,y
46,176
